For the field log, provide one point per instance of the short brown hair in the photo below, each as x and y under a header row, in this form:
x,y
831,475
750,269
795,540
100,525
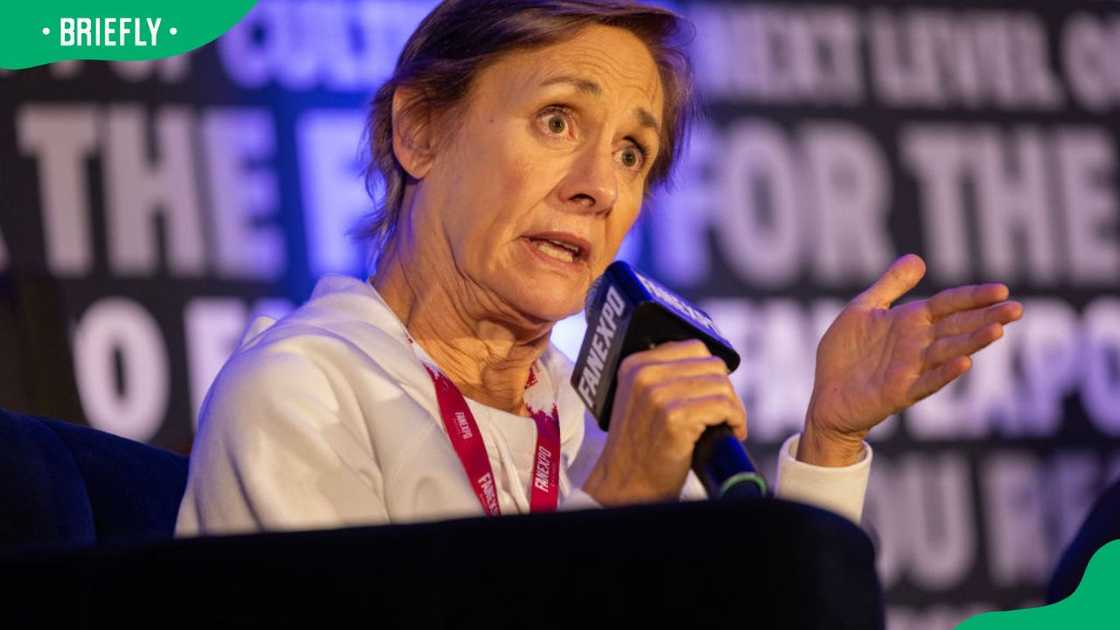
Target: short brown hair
x,y
460,37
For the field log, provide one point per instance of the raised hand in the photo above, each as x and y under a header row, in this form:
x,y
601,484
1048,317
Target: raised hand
x,y
875,360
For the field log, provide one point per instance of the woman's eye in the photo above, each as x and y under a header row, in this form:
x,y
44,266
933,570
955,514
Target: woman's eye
x,y
555,121
557,124
632,157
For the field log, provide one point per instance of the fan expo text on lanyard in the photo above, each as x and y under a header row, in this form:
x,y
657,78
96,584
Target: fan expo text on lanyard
x,y
467,440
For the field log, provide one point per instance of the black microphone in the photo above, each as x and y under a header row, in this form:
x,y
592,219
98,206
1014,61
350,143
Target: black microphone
x,y
627,313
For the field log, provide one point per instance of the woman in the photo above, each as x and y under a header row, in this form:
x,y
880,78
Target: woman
x,y
517,141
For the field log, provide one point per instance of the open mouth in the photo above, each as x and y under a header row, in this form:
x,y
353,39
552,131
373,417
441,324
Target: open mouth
x,y
560,247
557,250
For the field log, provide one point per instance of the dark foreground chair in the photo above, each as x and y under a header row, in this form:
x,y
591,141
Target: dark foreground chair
x,y
1100,527
751,564
68,485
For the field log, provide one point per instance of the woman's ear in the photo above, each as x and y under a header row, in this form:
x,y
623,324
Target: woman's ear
x,y
412,134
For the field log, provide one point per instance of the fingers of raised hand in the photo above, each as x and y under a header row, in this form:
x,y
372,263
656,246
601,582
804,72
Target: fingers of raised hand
x,y
966,298
938,377
948,348
903,275
968,321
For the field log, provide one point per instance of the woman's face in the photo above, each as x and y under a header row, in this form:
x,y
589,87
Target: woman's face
x,y
544,173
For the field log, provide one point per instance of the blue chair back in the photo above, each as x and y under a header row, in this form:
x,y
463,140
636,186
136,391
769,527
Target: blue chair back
x,y
65,484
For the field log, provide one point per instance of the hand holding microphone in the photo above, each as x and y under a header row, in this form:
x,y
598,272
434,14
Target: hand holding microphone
x,y
654,371
665,400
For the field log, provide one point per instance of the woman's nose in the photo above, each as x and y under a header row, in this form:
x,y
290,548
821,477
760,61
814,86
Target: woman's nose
x,y
592,183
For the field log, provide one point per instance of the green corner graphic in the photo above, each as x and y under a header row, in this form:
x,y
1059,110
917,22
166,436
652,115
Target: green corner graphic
x,y
45,31
1092,605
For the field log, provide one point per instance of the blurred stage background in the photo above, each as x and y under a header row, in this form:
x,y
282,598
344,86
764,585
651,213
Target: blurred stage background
x,y
150,209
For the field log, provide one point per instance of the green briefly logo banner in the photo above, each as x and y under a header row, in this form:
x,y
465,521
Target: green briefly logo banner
x,y
45,31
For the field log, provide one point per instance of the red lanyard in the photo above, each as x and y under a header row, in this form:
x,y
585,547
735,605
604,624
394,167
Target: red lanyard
x,y
467,440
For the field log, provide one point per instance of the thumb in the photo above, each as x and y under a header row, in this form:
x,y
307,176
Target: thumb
x,y
903,275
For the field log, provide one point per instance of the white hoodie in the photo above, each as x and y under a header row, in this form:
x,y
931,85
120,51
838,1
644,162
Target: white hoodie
x,y
327,418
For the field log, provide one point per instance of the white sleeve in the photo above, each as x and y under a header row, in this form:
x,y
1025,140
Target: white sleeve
x,y
272,453
840,489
